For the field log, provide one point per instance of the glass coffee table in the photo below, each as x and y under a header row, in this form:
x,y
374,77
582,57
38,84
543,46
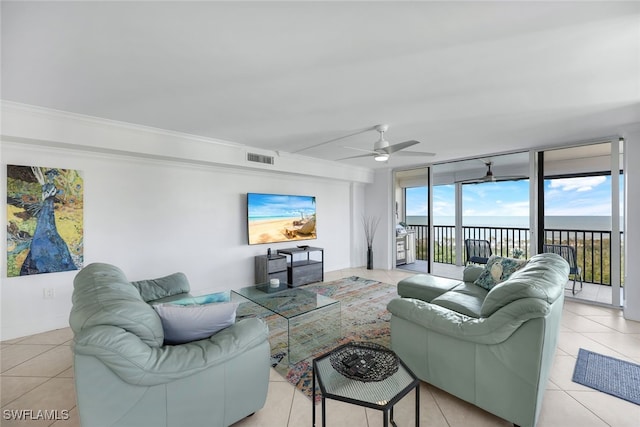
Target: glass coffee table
x,y
364,374
312,321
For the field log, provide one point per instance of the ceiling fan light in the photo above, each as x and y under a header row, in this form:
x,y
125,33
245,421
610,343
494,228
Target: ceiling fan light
x,y
383,157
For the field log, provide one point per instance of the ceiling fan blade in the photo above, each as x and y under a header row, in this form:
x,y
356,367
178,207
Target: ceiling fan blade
x,y
510,178
413,153
356,157
362,149
399,146
470,181
489,179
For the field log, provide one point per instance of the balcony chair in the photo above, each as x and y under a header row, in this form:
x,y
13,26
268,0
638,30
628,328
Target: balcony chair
x,y
569,254
478,251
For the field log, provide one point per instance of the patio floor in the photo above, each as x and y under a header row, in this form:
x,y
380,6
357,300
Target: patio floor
x,y
591,292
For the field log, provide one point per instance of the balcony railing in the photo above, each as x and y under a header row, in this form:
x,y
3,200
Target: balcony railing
x,y
593,252
593,247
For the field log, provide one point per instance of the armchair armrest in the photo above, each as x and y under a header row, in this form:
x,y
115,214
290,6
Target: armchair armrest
x,y
485,330
137,363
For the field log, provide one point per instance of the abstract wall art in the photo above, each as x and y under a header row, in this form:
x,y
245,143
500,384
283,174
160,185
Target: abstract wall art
x,y
44,220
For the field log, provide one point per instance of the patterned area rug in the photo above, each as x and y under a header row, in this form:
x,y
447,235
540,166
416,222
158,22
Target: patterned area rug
x,y
364,317
609,375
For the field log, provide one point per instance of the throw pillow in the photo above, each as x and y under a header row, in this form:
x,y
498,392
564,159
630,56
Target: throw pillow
x,y
497,270
185,323
224,296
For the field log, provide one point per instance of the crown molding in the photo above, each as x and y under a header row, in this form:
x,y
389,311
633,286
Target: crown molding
x,y
94,120
40,126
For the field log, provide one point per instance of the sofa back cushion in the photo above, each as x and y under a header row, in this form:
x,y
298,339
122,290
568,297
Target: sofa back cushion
x,y
543,277
162,287
103,296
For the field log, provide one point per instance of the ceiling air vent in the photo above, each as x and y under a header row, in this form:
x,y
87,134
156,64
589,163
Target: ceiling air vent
x,y
259,158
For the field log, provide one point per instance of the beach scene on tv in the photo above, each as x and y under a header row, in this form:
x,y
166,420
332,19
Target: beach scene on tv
x,y
280,218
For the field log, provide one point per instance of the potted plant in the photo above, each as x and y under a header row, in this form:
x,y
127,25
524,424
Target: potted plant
x,y
370,224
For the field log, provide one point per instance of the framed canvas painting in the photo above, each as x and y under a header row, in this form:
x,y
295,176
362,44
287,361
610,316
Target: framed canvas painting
x,y
44,220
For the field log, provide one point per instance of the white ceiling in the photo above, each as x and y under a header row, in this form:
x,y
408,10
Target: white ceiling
x,y
464,78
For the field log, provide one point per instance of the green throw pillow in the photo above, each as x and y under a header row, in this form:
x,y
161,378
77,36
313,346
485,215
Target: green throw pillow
x,y
224,296
497,270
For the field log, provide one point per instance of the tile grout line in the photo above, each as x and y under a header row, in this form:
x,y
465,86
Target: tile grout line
x,y
435,400
3,373
293,398
585,407
48,378
605,345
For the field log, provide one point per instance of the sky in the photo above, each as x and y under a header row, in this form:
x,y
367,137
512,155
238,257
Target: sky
x,y
583,196
279,205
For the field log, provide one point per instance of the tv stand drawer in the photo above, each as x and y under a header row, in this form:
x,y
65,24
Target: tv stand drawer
x,y
270,267
301,274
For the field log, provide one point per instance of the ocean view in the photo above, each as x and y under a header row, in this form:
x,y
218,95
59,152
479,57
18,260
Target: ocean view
x,y
551,222
590,235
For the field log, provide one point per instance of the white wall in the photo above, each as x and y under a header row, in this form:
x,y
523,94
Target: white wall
x,y
632,225
152,217
358,240
379,196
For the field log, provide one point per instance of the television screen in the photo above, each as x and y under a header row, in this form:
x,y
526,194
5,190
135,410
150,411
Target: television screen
x,y
280,218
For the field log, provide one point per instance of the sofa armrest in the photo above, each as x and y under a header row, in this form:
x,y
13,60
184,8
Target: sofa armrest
x,y
471,273
137,363
485,330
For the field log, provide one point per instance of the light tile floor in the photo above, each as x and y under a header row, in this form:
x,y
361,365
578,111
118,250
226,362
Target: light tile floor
x,y
36,374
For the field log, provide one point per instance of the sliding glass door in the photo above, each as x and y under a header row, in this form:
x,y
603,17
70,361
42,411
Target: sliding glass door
x,y
485,198
582,208
521,203
411,247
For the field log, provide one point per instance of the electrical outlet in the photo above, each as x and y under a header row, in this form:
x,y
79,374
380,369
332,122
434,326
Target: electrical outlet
x,y
48,293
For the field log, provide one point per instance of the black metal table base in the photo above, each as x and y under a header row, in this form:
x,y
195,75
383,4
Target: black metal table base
x,y
386,413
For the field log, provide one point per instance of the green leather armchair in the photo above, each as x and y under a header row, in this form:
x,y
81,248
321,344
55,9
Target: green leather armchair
x,y
493,348
125,375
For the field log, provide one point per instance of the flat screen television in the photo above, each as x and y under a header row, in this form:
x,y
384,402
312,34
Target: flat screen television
x,y
275,218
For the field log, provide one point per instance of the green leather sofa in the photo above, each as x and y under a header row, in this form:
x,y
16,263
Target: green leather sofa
x,y
125,375
493,348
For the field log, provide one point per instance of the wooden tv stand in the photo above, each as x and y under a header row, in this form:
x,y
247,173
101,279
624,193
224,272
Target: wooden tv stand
x,y
304,265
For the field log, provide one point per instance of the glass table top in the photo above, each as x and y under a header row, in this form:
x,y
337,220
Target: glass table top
x,y
373,394
288,302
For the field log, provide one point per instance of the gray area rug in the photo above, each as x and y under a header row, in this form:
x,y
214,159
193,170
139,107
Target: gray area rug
x,y
609,375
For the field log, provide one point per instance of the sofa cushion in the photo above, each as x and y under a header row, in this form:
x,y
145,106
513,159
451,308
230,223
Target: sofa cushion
x,y
425,286
466,298
192,322
497,270
162,287
460,303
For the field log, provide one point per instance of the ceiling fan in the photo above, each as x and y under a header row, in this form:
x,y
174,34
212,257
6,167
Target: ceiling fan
x,y
382,150
489,176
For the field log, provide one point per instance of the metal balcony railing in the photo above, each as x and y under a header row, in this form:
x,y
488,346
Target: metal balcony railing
x,y
593,247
